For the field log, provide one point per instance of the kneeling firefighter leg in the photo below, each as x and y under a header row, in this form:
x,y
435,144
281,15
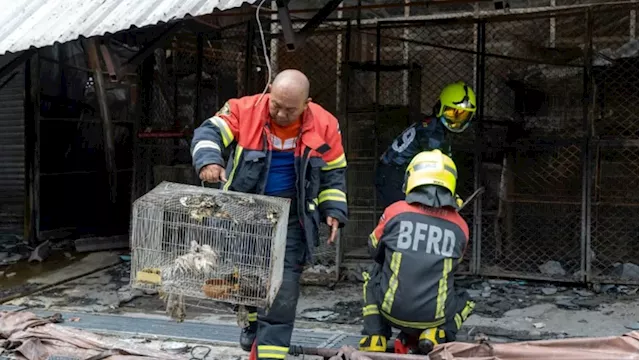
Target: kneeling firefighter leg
x,y
276,326
429,338
376,329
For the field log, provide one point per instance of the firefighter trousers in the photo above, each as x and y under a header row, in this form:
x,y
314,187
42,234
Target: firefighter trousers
x,y
275,326
376,323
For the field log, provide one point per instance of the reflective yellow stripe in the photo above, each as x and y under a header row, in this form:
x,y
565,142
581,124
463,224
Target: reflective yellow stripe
x,y
413,324
311,206
339,162
236,160
370,310
467,309
252,316
332,195
374,240
225,130
272,352
442,287
366,277
266,355
396,259
458,320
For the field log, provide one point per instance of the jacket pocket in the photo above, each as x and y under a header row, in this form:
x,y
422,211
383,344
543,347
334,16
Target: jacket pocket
x,y
312,181
249,170
313,217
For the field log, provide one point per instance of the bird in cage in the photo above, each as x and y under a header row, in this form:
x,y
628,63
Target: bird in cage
x,y
200,259
201,206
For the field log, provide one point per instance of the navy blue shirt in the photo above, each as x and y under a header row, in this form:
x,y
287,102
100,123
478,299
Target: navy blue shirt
x,y
428,134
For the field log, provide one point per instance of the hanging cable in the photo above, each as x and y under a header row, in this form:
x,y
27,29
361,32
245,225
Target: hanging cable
x,y
264,52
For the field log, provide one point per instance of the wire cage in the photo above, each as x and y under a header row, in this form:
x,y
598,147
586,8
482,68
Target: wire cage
x,y
210,244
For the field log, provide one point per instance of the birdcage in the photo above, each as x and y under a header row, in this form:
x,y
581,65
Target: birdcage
x,y
206,243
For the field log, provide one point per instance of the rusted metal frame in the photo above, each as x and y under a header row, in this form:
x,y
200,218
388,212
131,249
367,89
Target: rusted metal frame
x,y
32,148
19,60
198,94
523,14
587,108
148,49
107,126
248,57
479,139
465,51
146,89
317,19
294,39
345,87
377,116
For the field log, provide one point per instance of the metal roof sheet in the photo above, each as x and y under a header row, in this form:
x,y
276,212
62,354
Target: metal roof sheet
x,y
39,23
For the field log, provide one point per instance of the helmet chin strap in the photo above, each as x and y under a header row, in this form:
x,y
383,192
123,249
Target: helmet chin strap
x,y
457,131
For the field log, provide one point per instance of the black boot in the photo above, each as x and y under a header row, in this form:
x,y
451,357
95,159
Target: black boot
x,y
248,335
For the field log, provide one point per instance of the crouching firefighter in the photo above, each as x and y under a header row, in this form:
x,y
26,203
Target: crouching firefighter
x,y
452,114
417,246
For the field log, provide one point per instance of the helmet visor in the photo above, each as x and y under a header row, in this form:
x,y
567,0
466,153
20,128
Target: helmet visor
x,y
455,118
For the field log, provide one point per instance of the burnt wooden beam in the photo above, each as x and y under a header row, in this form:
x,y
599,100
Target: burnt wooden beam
x,y
199,55
32,148
107,126
19,60
148,49
293,39
318,18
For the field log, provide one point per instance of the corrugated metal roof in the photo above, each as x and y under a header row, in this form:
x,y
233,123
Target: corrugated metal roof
x,y
39,23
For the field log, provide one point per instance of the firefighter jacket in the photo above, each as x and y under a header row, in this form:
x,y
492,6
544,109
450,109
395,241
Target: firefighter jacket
x,y
428,134
320,161
419,249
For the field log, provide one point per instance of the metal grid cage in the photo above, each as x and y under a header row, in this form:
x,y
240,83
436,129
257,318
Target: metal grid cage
x,y
209,244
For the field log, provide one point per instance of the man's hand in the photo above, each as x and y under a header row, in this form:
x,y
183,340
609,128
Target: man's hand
x,y
333,224
213,173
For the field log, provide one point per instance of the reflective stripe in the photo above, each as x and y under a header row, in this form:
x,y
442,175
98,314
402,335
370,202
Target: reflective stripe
x,y
236,160
370,310
225,130
339,162
205,144
311,206
332,195
374,240
413,324
458,320
252,316
467,309
272,352
396,259
366,277
442,287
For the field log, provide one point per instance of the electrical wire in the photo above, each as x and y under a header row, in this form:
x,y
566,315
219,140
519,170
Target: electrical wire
x,y
264,52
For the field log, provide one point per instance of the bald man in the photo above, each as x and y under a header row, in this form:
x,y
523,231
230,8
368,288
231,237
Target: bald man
x,y
285,146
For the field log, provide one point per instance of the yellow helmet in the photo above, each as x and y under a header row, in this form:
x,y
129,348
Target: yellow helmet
x,y
456,106
431,168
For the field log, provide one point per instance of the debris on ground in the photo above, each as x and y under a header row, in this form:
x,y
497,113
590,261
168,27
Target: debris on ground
x,y
41,252
552,268
626,271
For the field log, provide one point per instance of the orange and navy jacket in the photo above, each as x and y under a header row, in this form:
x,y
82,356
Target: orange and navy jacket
x,y
418,249
320,161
